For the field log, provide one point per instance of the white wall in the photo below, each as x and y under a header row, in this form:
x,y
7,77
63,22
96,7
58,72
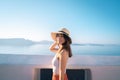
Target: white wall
x,y
29,71
15,72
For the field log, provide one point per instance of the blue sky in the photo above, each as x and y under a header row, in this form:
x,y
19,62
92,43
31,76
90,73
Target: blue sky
x,y
89,21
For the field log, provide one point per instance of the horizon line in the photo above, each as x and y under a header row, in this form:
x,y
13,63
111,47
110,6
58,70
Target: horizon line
x,y
90,43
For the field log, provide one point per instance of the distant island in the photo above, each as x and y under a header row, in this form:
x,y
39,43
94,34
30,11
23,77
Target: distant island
x,y
26,42
20,42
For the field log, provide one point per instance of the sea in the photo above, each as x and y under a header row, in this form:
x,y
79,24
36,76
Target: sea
x,y
100,54
43,49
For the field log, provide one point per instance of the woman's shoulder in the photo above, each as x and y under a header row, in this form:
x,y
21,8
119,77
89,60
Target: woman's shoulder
x,y
64,52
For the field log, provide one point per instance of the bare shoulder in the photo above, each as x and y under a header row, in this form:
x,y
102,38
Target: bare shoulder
x,y
64,52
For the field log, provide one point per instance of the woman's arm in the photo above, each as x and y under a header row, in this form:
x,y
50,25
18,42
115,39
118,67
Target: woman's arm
x,y
52,47
62,64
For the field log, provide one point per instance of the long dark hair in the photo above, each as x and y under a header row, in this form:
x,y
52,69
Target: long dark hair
x,y
66,44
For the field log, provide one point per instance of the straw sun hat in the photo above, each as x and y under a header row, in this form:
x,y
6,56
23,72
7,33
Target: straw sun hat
x,y
61,31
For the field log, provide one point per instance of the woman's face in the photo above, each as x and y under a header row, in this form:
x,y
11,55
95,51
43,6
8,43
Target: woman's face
x,y
60,39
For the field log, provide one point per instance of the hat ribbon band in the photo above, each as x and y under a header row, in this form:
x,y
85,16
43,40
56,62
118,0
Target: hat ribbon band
x,y
64,33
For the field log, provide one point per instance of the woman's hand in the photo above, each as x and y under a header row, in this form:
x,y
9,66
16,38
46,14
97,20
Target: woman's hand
x,y
53,47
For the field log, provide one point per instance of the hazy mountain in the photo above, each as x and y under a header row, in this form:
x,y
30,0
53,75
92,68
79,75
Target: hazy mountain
x,y
94,44
88,44
25,42
16,42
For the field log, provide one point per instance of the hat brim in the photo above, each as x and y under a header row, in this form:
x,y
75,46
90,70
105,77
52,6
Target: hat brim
x,y
53,35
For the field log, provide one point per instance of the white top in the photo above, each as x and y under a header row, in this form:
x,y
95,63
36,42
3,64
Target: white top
x,y
55,64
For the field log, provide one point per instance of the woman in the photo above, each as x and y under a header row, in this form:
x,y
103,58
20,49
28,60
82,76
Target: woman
x,y
61,47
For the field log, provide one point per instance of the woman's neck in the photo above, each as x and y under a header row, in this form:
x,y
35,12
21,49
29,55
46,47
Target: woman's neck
x,y
59,45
